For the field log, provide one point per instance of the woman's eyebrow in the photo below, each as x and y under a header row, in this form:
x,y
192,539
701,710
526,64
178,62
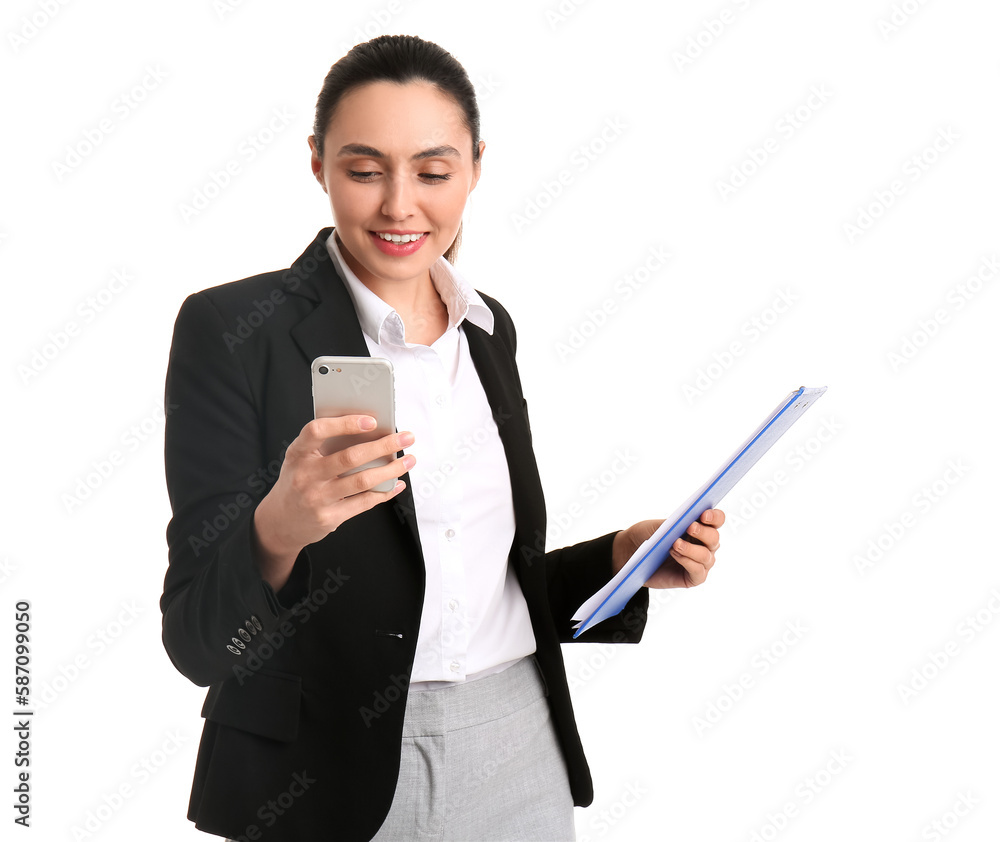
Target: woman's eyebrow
x,y
371,152
438,152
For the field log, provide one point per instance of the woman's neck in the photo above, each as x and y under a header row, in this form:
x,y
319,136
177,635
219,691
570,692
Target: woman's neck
x,y
416,300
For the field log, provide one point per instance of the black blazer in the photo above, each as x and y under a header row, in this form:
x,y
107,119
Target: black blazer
x,y
308,685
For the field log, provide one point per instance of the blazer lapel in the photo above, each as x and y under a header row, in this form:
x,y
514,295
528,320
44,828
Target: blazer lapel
x,y
332,328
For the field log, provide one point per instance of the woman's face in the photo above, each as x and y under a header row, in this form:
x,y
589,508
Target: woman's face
x,y
397,166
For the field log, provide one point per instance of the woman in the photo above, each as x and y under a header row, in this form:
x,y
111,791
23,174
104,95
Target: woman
x,y
381,664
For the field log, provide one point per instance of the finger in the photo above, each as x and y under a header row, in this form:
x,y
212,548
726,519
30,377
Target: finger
x,y
708,536
363,452
349,485
361,502
318,430
696,571
696,553
715,517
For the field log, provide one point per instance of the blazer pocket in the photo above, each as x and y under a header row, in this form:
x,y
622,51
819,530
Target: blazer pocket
x,y
267,704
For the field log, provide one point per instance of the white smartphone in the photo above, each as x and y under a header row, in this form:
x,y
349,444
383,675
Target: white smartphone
x,y
356,386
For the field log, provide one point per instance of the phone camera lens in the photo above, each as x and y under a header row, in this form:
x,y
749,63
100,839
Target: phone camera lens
x,y
324,370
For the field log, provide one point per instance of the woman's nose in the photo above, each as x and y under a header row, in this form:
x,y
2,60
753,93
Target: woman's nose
x,y
398,200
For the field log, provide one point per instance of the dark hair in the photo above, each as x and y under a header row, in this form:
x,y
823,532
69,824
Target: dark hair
x,y
399,59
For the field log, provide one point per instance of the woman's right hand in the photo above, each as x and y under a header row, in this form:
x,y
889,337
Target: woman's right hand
x,y
311,499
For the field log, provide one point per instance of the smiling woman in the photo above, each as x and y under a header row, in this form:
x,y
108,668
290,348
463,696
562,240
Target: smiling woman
x,y
378,670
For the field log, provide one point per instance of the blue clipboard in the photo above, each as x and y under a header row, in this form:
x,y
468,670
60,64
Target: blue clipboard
x,y
612,598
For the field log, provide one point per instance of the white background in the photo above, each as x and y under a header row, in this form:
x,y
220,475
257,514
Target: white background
x,y
630,410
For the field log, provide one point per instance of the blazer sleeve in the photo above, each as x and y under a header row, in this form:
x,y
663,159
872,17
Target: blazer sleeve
x,y
575,574
216,606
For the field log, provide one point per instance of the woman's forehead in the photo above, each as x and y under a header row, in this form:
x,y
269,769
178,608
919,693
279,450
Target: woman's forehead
x,y
398,119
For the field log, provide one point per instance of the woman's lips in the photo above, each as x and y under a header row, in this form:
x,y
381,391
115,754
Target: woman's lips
x,y
401,249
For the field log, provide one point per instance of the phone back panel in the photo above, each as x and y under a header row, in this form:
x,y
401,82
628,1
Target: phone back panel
x,y
355,386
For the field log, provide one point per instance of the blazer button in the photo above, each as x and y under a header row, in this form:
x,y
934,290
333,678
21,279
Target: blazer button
x,y
256,622
239,643
233,649
244,634
251,627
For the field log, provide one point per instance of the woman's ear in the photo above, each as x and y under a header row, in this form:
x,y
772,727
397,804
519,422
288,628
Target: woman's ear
x,y
476,167
316,163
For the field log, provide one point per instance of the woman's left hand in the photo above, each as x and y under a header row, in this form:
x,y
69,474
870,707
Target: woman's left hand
x,y
691,557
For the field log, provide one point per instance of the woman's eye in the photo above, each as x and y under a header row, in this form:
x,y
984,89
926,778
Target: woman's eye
x,y
371,175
